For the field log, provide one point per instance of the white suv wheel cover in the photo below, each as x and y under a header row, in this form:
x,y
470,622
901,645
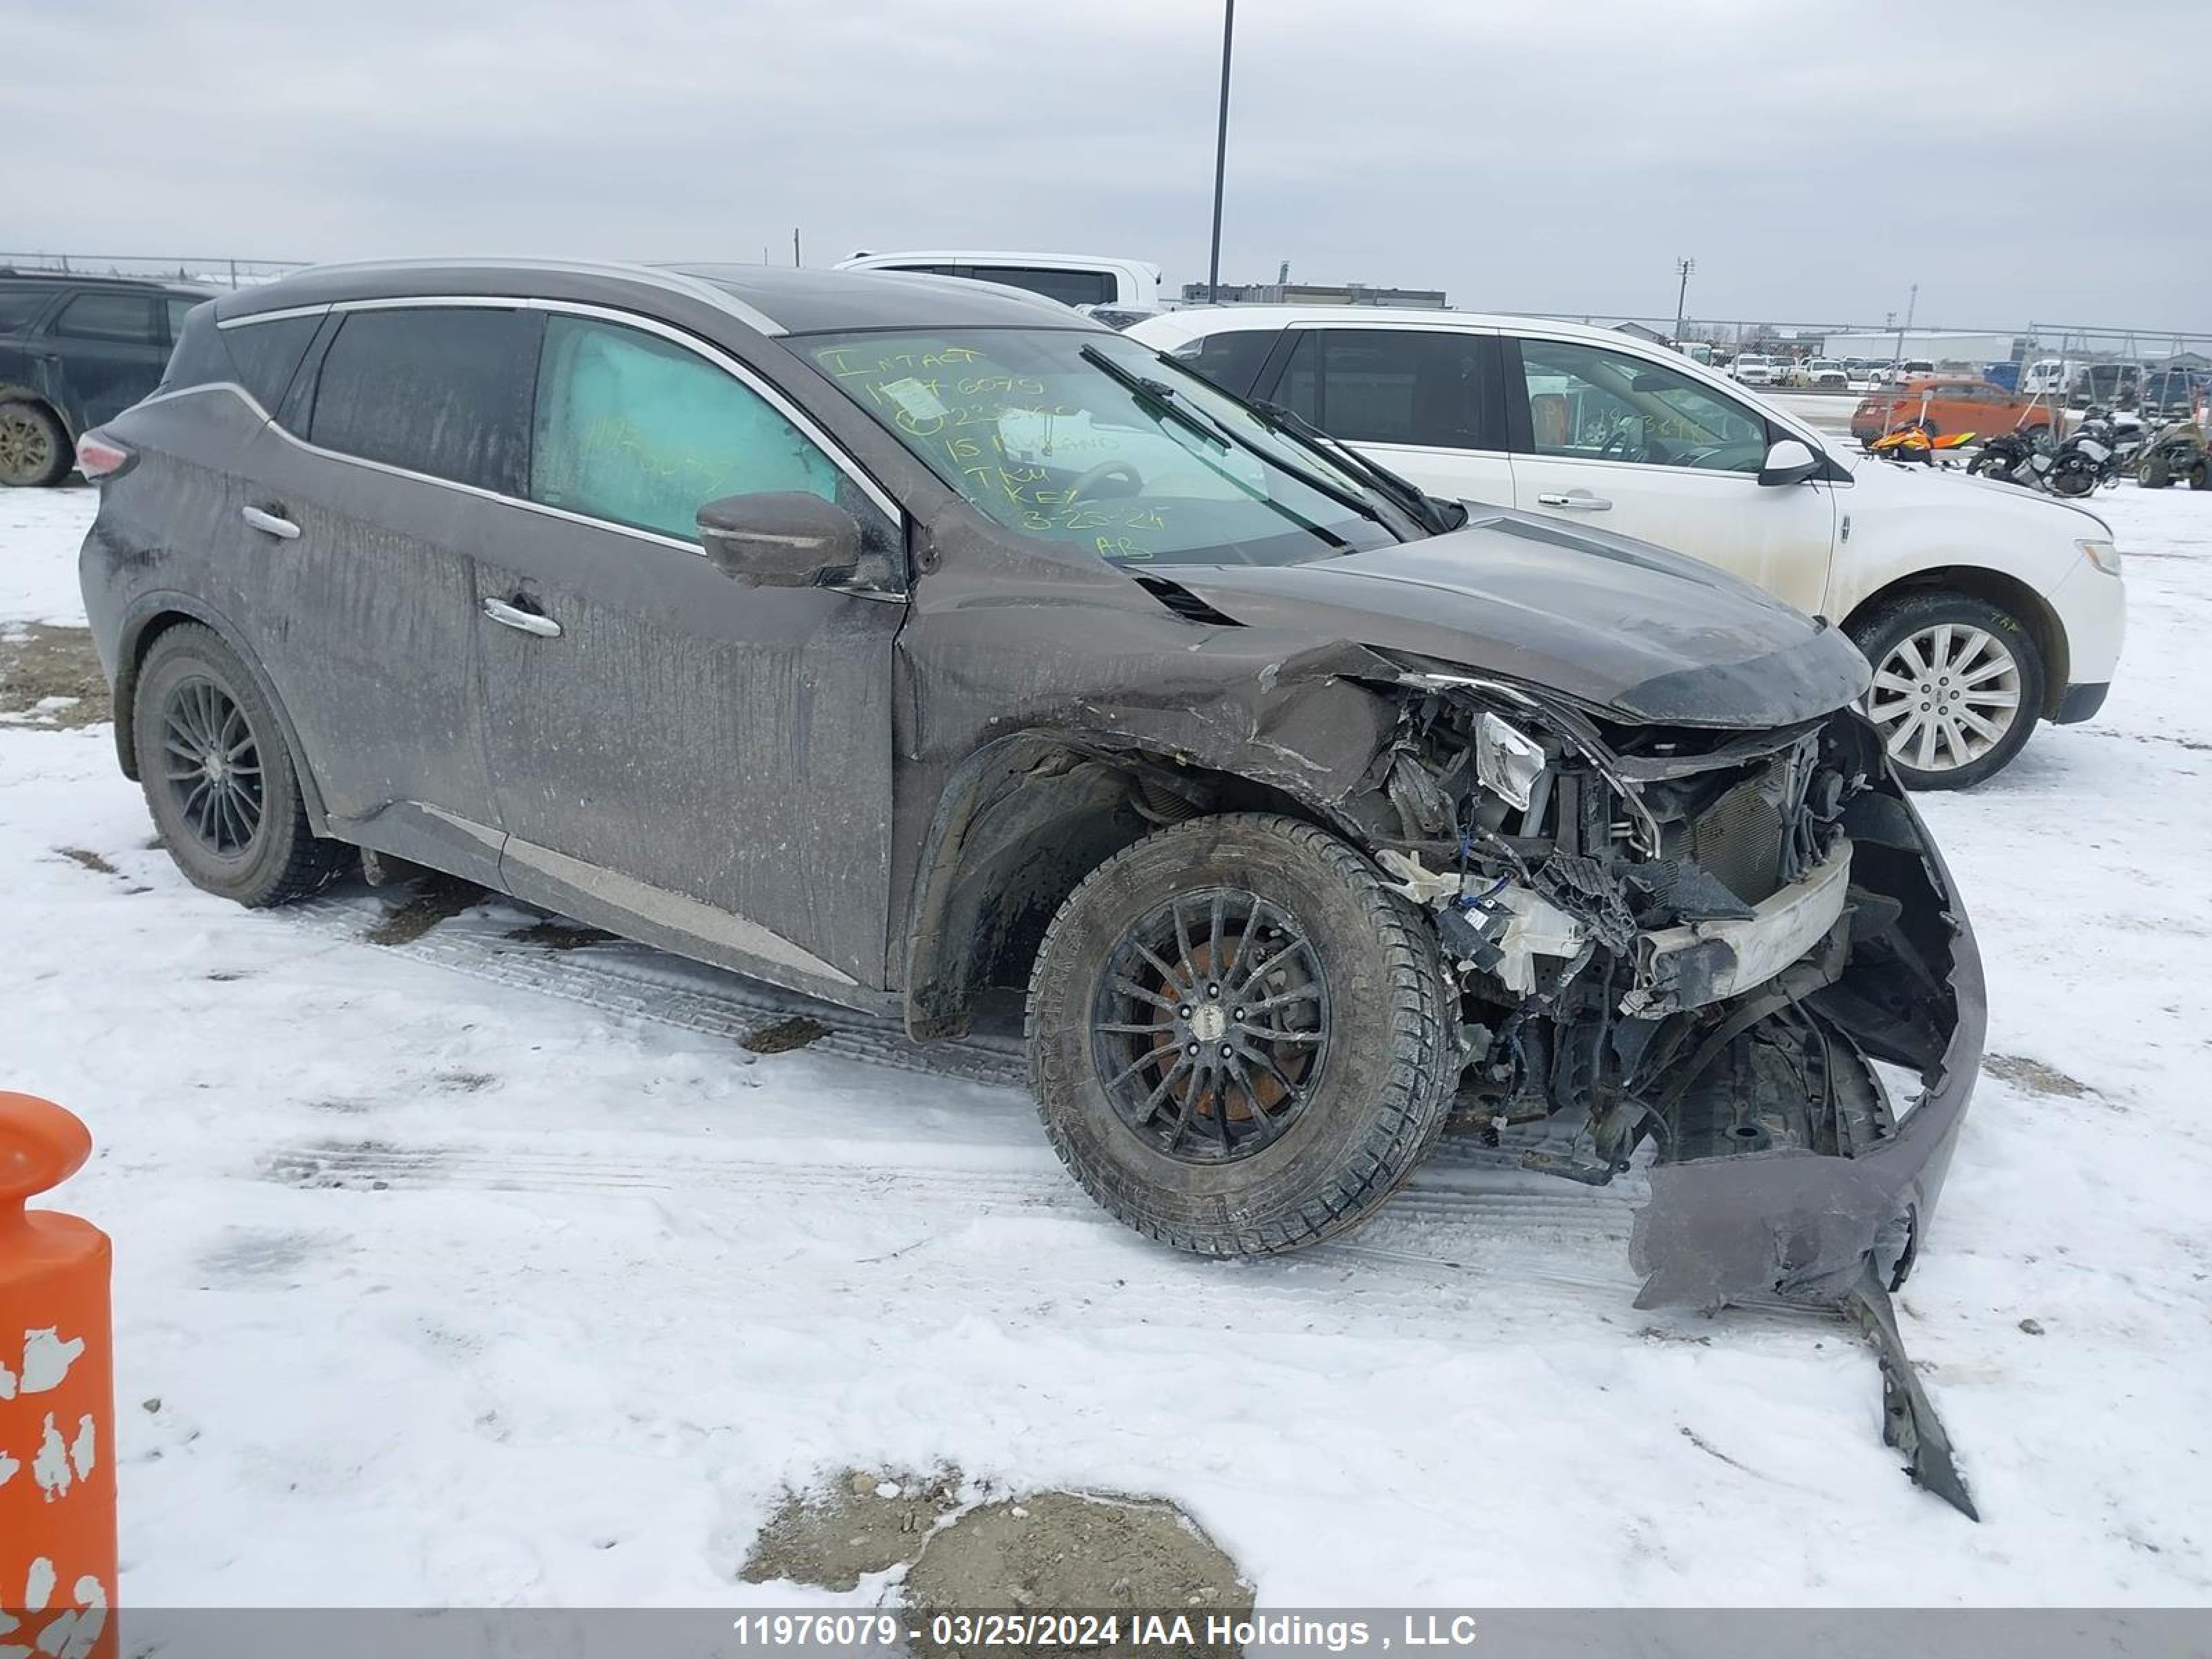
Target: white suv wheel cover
x,y
1944,696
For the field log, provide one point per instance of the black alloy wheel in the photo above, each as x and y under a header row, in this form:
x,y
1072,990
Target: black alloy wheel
x,y
212,766
1212,1018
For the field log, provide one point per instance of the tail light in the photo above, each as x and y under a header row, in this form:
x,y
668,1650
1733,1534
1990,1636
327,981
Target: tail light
x,y
101,457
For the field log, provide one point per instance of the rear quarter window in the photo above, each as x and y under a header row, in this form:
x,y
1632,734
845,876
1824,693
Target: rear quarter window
x,y
124,319
443,391
261,357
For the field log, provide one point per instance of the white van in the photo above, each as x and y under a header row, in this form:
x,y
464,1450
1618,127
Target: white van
x,y
1088,282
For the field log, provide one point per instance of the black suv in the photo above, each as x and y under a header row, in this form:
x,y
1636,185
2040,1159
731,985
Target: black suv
x,y
74,351
900,640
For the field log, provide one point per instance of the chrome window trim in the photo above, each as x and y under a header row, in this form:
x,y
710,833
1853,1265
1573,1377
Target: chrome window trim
x,y
749,378
722,359
288,312
668,281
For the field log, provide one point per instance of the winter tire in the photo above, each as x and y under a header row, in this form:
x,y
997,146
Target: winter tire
x,y
1958,684
218,777
34,450
1237,1035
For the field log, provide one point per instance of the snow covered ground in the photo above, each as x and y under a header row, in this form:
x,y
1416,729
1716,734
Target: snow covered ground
x,y
524,1282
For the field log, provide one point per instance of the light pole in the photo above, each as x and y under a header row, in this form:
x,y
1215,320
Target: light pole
x,y
1683,267
1221,152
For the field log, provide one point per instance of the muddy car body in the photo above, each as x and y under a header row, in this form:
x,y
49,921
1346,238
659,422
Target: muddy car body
x,y
1310,812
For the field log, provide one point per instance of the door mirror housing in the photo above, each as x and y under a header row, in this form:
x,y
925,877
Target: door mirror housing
x,y
1788,463
782,539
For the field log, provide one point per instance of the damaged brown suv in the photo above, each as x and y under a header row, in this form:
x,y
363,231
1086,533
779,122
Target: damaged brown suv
x,y
899,641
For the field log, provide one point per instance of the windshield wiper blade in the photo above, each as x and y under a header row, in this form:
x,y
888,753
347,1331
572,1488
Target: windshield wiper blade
x,y
1158,395
1163,398
1410,497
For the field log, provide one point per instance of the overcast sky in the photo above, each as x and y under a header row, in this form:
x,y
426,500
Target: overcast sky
x,y
2027,159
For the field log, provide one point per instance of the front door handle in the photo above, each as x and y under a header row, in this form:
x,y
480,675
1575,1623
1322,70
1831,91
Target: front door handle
x,y
1576,501
526,622
273,524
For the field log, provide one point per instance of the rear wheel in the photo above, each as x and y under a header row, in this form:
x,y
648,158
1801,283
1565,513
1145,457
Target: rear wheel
x,y
34,450
1958,684
218,777
2200,475
1237,1035
2156,475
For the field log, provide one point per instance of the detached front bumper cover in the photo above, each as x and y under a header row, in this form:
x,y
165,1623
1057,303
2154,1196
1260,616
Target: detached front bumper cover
x,y
1838,1230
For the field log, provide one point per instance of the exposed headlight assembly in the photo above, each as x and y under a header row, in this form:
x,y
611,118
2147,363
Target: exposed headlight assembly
x,y
1507,760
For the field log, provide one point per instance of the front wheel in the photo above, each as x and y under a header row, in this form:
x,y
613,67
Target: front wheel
x,y
1237,1035
1958,684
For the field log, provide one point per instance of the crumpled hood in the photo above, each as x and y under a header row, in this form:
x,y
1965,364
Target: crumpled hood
x,y
1649,635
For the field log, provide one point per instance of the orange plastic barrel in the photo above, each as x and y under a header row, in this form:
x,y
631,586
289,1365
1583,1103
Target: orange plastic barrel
x,y
56,1397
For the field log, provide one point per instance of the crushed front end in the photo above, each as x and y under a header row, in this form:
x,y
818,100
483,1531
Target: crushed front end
x,y
1715,941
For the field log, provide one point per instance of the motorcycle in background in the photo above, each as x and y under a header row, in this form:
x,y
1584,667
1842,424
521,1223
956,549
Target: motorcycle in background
x,y
2024,456
2098,452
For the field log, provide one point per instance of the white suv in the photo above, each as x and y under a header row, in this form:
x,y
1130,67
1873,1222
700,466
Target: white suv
x,y
1982,607
1754,371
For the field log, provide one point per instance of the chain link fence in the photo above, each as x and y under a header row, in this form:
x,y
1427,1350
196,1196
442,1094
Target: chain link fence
x,y
218,270
2080,342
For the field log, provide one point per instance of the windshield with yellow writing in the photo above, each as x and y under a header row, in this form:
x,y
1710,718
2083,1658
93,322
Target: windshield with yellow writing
x,y
1141,463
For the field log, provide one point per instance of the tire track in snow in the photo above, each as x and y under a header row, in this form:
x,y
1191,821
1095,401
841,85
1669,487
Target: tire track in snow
x,y
1472,1199
636,982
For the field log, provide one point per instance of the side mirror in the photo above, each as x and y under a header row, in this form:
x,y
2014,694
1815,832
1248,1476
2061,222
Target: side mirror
x,y
789,539
1788,463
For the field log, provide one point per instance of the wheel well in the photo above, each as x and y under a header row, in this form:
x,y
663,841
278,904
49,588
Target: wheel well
x,y
2008,594
13,393
127,665
139,638
1015,836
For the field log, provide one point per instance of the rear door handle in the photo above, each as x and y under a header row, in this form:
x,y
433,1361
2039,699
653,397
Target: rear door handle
x,y
273,524
526,622
1576,501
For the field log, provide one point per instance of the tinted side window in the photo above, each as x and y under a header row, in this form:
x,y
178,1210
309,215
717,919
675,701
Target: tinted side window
x,y
1070,287
1299,388
441,391
640,431
19,305
1231,361
132,318
178,308
1390,385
